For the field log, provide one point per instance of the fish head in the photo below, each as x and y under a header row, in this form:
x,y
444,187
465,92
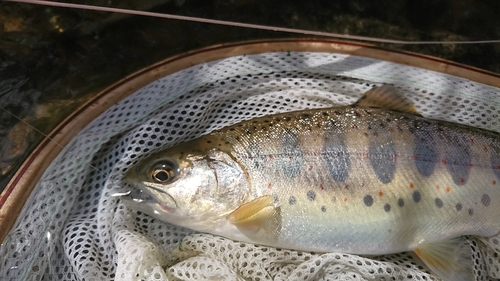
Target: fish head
x,y
188,185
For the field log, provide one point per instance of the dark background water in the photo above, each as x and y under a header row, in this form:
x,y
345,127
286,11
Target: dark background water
x,y
53,59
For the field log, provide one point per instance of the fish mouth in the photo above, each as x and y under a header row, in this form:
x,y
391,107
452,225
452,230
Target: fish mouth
x,y
159,200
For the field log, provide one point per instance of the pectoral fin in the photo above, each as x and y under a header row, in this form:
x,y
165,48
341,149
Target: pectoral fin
x,y
254,213
258,219
386,97
450,260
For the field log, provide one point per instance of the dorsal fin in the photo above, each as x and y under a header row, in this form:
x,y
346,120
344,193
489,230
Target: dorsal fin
x,y
386,97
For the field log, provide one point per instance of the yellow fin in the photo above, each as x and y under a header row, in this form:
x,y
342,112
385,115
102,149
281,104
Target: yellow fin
x,y
450,260
386,97
254,214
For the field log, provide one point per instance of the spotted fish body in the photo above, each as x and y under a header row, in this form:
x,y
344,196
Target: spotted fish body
x,y
357,180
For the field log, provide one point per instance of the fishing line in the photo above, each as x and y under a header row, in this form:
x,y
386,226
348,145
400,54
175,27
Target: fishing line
x,y
228,23
245,25
42,133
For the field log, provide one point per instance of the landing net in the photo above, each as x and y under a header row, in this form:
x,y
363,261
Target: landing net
x,y
73,228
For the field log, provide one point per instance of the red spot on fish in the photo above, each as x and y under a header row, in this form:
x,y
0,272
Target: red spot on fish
x,y
310,168
471,142
462,180
380,193
443,161
411,185
485,148
314,153
321,186
354,126
269,185
346,187
415,157
270,156
365,155
498,167
471,165
345,200
494,182
438,187
448,189
394,158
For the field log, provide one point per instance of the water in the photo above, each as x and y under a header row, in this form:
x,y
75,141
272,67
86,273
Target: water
x,y
54,59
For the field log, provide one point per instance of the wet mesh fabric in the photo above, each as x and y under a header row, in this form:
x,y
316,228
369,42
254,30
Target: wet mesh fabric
x,y
74,227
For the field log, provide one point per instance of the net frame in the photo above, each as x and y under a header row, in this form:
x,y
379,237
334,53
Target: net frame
x,y
94,161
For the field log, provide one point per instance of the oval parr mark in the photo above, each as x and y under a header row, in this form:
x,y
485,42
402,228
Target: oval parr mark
x,y
485,199
458,159
495,164
382,159
459,207
471,212
323,209
292,200
336,154
425,152
438,202
292,158
416,196
368,200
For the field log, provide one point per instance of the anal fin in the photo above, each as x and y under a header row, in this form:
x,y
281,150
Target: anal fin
x,y
450,260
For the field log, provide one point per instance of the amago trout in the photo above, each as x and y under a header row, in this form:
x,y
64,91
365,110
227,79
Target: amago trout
x,y
373,178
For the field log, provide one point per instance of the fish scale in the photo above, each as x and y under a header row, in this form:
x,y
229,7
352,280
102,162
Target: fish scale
x,y
373,178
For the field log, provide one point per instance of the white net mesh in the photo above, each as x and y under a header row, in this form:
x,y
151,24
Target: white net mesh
x,y
72,228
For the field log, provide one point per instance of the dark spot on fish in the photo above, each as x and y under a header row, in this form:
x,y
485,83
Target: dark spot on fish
x,y
382,155
323,209
387,207
368,200
425,152
486,200
438,202
458,158
471,212
276,199
416,196
290,146
458,207
336,153
401,202
292,200
311,195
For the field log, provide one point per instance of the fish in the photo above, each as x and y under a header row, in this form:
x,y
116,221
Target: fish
x,y
370,178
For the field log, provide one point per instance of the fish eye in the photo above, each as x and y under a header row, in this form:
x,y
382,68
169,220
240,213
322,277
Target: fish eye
x,y
164,171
